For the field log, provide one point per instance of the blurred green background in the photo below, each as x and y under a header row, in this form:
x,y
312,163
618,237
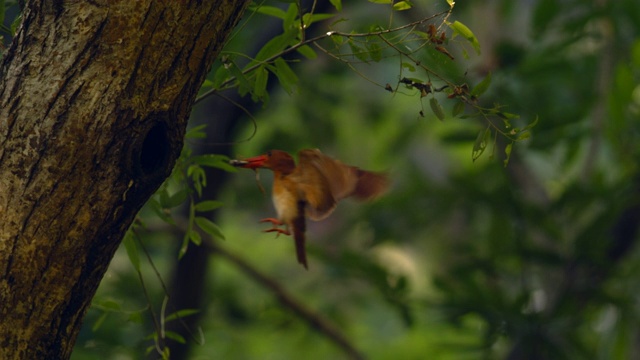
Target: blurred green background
x,y
460,259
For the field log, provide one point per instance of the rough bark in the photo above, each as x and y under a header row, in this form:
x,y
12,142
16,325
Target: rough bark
x,y
94,99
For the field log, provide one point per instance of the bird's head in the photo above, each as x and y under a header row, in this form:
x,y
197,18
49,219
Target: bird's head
x,y
276,160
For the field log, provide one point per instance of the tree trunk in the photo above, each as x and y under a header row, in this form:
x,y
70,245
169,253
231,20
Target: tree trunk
x,y
94,100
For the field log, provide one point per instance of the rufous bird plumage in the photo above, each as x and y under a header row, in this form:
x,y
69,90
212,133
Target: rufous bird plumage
x,y
311,189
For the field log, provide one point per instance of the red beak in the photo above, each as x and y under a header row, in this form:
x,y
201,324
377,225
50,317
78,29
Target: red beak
x,y
250,163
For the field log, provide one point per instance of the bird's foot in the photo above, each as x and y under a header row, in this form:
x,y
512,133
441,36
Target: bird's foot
x,y
278,231
273,221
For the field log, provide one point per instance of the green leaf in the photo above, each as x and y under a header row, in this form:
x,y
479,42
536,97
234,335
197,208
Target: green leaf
x,y
507,152
107,305
336,4
288,79
481,143
408,66
524,135
180,314
243,83
274,46
221,75
260,85
175,200
402,5
208,205
215,161
132,250
466,33
209,227
268,10
135,317
99,321
309,18
187,234
174,336
357,51
307,51
375,51
436,108
458,109
159,211
482,86
196,132
290,18
195,237
451,3
337,39
532,124
15,24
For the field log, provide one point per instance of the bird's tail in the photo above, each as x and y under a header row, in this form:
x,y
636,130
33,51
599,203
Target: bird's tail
x,y
370,184
298,226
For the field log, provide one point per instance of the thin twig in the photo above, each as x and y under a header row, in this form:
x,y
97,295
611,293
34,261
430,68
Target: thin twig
x,y
316,39
316,321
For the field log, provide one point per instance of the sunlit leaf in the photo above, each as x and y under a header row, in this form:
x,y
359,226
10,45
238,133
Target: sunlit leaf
x,y
507,152
466,33
402,5
337,4
524,135
408,66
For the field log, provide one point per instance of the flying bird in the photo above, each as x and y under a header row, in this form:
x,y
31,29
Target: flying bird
x,y
311,189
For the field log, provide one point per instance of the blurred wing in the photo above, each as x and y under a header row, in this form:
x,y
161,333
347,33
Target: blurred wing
x,y
324,181
313,187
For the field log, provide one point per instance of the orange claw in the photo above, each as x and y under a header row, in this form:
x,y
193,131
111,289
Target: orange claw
x,y
273,221
278,230
275,228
